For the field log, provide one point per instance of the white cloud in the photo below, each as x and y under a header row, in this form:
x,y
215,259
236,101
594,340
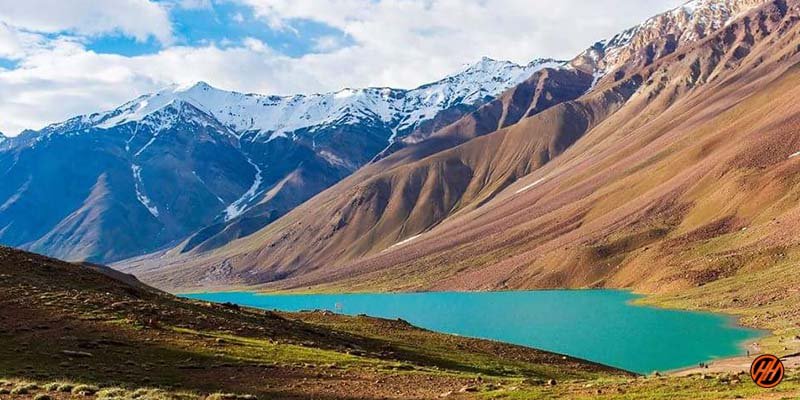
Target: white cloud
x,y
400,43
327,43
256,46
10,42
14,44
404,42
139,19
67,80
195,4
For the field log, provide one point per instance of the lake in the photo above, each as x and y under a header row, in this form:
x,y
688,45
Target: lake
x,y
596,325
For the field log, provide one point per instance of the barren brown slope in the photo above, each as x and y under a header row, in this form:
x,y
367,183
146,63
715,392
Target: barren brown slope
x,y
406,194
543,90
691,182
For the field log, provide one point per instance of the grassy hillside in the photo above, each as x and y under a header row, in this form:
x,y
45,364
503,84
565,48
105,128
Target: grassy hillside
x,y
77,331
61,322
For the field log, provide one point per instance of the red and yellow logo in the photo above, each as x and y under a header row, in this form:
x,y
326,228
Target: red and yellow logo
x,y
767,371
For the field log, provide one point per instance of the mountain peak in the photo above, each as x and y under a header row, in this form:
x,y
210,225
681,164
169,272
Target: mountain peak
x,y
197,86
736,6
690,22
503,70
487,64
485,60
202,85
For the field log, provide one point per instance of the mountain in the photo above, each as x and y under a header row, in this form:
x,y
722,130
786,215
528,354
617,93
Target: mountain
x,y
661,35
214,165
265,118
105,333
86,192
544,89
583,192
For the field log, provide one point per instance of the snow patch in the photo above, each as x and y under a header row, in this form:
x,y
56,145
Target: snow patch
x,y
16,196
597,75
130,139
332,159
531,186
152,139
238,207
343,94
406,241
139,186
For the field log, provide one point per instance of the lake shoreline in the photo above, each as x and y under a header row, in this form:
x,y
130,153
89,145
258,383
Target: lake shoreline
x,y
509,335
644,299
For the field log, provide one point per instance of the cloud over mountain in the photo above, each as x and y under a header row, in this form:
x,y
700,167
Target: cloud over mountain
x,y
353,44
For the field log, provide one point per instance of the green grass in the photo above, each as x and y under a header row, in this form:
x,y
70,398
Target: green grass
x,y
697,387
66,390
452,353
254,350
661,388
766,299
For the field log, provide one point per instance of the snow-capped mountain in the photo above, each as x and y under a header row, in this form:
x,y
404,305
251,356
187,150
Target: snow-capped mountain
x,y
661,34
213,164
270,117
5,141
481,81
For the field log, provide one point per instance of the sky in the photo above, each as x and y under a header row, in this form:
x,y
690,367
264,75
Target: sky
x,y
62,58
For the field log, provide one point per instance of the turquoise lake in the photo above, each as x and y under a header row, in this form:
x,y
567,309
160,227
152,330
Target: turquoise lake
x,y
596,325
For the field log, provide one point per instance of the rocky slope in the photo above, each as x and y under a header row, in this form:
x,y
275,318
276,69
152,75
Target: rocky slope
x,y
661,35
214,165
452,187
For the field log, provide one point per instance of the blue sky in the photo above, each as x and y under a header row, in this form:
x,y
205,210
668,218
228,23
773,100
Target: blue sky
x,y
224,23
64,58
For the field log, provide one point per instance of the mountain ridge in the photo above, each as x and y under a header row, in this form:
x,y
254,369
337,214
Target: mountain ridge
x,y
659,35
485,78
240,166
